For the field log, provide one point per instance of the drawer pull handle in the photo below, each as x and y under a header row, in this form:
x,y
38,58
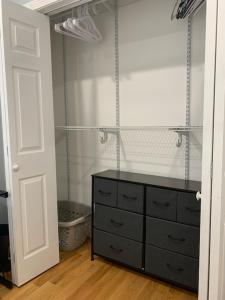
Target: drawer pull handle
x,y
162,204
175,270
116,249
129,198
118,224
179,240
192,210
105,194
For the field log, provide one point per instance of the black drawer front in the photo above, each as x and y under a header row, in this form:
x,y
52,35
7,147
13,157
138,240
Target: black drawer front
x,y
161,203
131,197
180,238
188,209
105,191
119,222
174,267
120,249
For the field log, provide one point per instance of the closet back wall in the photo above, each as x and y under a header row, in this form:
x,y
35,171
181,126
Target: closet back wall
x,y
152,55
153,70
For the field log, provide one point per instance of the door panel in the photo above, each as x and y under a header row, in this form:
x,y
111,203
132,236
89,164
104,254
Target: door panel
x,y
25,38
35,231
27,102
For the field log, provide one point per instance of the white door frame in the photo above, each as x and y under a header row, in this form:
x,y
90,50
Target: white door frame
x,y
217,248
207,155
208,286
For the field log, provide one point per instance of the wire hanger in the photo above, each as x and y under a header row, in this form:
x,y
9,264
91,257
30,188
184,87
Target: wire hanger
x,y
67,26
91,26
82,26
60,29
174,12
73,25
186,8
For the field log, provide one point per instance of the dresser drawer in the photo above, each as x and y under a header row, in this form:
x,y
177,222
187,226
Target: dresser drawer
x,y
131,197
174,267
180,238
118,248
161,203
123,223
188,209
105,191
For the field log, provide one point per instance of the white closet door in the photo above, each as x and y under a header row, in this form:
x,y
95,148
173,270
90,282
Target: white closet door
x,y
27,103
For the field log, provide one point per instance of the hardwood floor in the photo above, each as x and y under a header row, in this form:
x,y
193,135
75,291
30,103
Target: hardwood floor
x,y
76,277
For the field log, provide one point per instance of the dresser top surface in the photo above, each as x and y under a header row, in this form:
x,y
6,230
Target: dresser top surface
x,y
157,181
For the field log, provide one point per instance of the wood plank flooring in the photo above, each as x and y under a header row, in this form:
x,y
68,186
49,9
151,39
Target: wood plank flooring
x,y
79,278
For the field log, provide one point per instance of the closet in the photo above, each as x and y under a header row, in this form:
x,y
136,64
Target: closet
x,y
138,102
131,100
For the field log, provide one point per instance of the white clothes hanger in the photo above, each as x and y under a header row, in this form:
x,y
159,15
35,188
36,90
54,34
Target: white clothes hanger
x,y
82,27
76,29
60,29
87,21
75,25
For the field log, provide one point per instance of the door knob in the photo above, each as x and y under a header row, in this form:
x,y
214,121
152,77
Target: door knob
x,y
15,168
198,196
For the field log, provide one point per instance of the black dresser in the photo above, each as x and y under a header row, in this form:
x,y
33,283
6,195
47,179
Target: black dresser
x,y
149,223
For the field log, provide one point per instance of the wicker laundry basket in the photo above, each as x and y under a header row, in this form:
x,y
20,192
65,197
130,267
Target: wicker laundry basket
x,y
74,224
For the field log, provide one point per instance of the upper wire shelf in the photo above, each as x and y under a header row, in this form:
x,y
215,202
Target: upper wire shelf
x,y
101,5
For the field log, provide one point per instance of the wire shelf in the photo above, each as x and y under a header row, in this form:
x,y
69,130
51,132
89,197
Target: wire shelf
x,y
128,128
106,130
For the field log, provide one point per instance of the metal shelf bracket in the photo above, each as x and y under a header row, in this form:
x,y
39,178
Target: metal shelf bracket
x,y
180,133
179,139
103,136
